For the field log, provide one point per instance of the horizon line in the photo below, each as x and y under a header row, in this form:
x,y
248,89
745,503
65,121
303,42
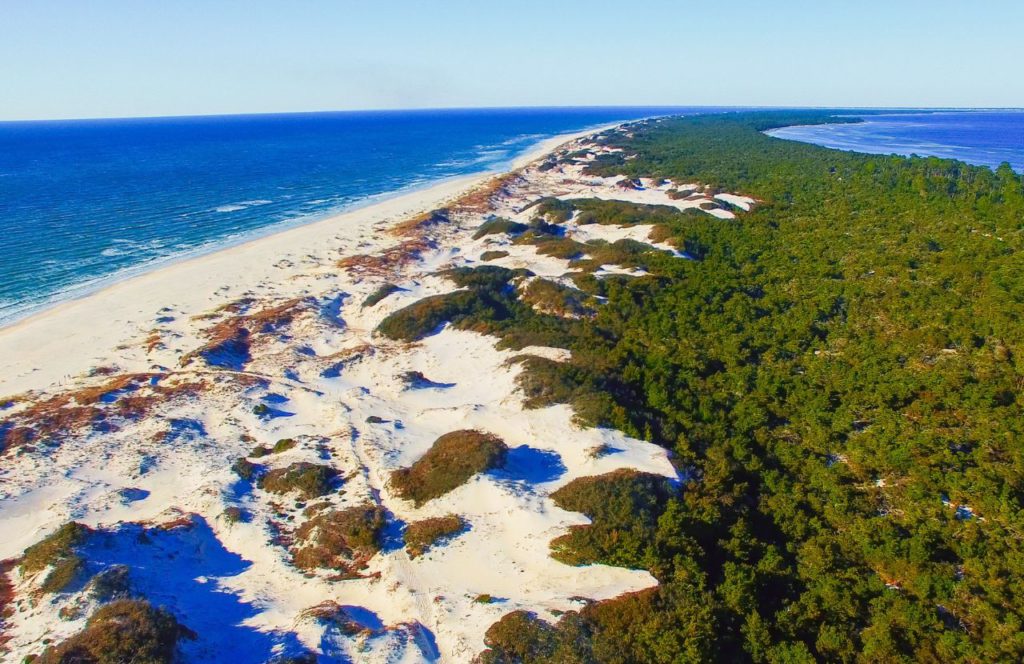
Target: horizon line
x,y
428,109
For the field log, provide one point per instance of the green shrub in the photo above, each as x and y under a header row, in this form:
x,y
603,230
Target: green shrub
x,y
421,536
488,306
499,226
283,445
560,247
245,469
304,658
623,506
555,210
554,298
423,318
453,459
627,253
234,514
111,583
545,382
122,631
520,637
342,540
310,480
486,278
668,625
57,552
379,294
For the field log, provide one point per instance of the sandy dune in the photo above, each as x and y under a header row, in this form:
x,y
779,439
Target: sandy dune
x,y
159,448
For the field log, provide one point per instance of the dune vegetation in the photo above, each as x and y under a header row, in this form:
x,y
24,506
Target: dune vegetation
x,y
452,460
122,631
379,294
309,480
499,226
339,539
57,554
836,372
421,536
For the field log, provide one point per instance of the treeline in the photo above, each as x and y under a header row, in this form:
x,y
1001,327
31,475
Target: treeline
x,y
839,378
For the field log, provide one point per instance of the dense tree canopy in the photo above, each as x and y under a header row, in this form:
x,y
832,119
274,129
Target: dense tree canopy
x,y
839,376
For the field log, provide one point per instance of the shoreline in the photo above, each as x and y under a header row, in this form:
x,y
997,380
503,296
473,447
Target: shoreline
x,y
99,284
827,135
68,337
157,391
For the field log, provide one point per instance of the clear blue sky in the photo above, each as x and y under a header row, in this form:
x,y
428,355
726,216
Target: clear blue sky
x,y
112,58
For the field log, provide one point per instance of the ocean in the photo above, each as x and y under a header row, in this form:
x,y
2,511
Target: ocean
x,y
85,203
984,138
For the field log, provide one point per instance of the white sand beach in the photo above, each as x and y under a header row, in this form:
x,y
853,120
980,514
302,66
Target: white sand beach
x,y
66,339
146,427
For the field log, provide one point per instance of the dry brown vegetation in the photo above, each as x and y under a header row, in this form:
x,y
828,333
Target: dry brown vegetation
x,y
6,598
339,539
416,226
334,614
423,535
96,407
480,198
389,260
453,459
310,480
153,342
119,632
230,340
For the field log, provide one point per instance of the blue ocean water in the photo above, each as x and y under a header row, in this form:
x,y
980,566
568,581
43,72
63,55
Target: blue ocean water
x,y
985,138
83,203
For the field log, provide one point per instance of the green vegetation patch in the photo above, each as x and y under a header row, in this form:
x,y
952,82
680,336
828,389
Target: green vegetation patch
x,y
623,506
598,211
499,226
838,375
310,480
339,539
493,255
557,247
282,445
245,469
122,631
625,253
111,583
379,294
421,536
682,630
590,392
424,317
489,305
57,552
554,209
453,459
555,298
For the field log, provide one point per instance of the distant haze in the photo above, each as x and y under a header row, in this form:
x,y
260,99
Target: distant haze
x,y
117,58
